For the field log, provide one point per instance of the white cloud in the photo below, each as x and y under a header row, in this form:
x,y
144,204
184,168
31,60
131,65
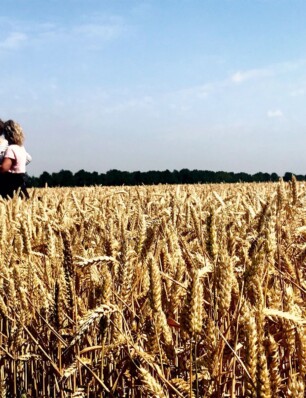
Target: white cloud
x,y
93,31
298,92
104,31
142,9
275,113
13,40
242,76
200,92
268,71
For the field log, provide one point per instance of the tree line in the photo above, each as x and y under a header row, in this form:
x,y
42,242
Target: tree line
x,y
65,178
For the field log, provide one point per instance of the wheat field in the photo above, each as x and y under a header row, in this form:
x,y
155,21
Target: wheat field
x,y
159,291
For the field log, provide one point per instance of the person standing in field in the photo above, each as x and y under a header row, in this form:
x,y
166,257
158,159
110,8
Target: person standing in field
x,y
3,141
15,159
3,148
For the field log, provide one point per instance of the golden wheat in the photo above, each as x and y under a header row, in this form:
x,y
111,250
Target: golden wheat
x,y
165,291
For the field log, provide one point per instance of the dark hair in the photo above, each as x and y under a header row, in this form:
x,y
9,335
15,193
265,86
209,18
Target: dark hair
x,y
1,126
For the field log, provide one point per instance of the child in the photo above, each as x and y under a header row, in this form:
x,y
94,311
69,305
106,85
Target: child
x,y
4,144
15,159
3,141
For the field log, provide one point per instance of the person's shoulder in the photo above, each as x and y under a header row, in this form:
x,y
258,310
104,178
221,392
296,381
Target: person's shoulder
x,y
14,150
3,141
15,147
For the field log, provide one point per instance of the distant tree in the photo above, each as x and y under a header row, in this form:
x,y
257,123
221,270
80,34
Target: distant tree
x,y
261,177
80,178
32,182
166,177
64,178
150,177
117,177
287,176
45,178
274,177
223,176
300,177
206,176
243,177
85,178
137,178
185,177
176,177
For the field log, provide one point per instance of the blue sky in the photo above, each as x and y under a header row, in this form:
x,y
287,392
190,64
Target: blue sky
x,y
156,84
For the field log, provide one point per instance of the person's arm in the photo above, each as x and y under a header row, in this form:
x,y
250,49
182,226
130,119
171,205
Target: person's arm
x,y
3,147
6,165
29,159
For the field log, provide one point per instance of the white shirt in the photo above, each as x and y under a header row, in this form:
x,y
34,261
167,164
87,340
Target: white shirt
x,y
3,147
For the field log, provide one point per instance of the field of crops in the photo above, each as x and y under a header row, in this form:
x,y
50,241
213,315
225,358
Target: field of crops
x,y
164,291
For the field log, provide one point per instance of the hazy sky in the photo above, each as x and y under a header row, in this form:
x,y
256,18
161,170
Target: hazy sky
x,y
156,84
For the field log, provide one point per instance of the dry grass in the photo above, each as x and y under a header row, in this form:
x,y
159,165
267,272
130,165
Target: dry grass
x,y
165,291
